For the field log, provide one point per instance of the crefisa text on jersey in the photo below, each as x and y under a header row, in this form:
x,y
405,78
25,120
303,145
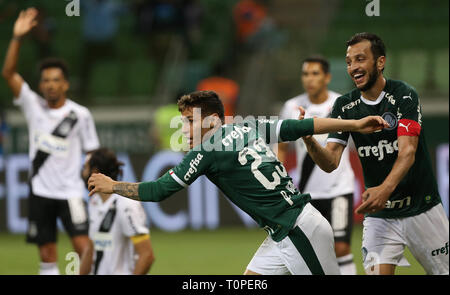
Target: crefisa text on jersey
x,y
242,284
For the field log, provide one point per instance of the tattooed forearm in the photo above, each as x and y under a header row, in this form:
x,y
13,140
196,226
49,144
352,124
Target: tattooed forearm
x,y
127,189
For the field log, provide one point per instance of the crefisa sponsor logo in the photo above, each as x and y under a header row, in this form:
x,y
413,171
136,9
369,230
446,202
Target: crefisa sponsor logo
x,y
193,166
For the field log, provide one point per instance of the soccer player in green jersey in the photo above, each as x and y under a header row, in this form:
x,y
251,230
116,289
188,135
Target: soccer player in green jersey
x,y
401,201
237,158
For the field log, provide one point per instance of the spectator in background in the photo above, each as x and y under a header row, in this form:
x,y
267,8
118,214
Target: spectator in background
x,y
42,33
160,20
249,16
192,18
7,9
100,26
226,88
254,27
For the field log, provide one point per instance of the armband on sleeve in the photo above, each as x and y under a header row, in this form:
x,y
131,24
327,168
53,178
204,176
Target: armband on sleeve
x,y
408,127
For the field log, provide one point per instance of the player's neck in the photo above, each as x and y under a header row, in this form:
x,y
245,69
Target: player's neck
x,y
104,197
321,97
374,92
56,104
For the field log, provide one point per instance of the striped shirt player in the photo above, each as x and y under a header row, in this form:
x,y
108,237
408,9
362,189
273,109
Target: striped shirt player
x,y
115,226
57,180
60,130
415,196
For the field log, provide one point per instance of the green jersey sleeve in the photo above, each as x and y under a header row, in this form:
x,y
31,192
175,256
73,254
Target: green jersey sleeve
x,y
156,191
274,131
338,113
291,130
409,106
193,165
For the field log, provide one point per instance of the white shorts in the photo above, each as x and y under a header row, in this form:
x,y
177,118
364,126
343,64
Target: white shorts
x,y
308,249
426,235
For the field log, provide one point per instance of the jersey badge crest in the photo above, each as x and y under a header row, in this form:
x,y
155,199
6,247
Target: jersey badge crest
x,y
391,119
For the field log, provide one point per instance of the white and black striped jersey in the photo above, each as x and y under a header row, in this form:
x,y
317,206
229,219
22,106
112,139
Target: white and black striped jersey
x,y
112,224
313,180
59,174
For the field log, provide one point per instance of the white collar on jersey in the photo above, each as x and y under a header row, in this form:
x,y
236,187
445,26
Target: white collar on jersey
x,y
373,102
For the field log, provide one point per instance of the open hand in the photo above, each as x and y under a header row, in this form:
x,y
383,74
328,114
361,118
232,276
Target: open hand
x,y
25,22
99,183
371,124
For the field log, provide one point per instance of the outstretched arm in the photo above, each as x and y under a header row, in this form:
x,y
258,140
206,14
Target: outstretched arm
x,y
368,124
99,183
294,129
24,23
151,191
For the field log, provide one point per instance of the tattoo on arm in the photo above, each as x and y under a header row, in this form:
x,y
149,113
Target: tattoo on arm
x,y
126,189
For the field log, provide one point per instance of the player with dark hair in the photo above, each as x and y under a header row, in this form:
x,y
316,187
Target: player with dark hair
x,y
401,203
331,194
59,131
237,158
117,226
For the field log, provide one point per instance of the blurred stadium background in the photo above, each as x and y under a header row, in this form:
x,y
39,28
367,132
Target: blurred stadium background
x,y
130,60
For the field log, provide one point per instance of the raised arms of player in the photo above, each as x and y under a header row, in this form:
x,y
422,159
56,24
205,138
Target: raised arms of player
x,y
24,23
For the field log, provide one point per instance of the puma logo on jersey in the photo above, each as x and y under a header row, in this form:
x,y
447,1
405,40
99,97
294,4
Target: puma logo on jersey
x,y
403,125
407,96
193,164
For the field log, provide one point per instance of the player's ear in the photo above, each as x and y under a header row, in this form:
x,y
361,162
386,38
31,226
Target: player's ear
x,y
66,85
328,78
381,61
216,120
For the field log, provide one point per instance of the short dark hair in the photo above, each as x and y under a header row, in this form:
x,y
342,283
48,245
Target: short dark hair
x,y
106,162
208,101
376,44
53,62
319,59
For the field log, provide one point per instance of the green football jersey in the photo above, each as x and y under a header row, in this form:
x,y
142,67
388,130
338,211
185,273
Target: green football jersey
x,y
417,192
237,158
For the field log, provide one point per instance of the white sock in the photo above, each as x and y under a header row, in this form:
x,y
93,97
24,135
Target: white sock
x,y
346,265
48,268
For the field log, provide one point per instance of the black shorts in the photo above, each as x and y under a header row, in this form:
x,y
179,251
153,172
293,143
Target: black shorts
x,y
339,213
43,214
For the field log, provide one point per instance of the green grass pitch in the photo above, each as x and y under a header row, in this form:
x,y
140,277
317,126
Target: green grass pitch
x,y
226,251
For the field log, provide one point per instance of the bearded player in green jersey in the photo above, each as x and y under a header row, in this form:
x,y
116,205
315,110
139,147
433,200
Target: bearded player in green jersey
x,y
401,201
237,158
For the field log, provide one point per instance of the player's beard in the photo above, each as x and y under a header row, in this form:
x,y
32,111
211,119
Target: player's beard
x,y
373,76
